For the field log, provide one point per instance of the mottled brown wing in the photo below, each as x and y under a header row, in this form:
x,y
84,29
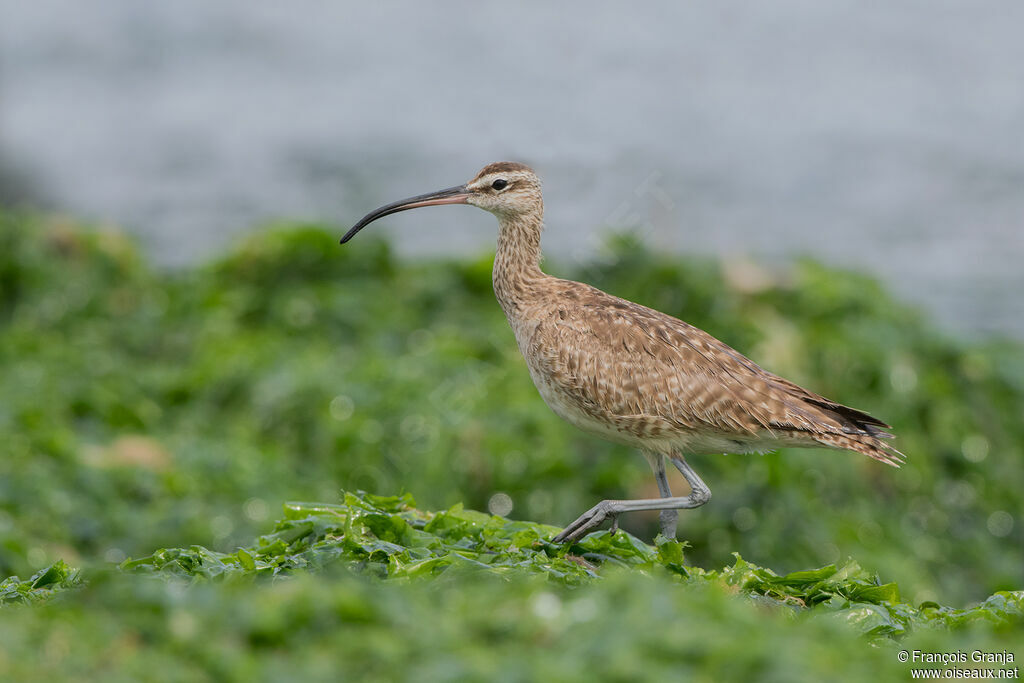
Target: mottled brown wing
x,y
617,358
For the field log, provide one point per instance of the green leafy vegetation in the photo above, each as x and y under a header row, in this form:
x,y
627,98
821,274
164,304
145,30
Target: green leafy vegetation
x,y
386,537
144,409
43,585
374,587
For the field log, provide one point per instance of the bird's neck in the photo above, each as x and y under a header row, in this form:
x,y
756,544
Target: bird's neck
x,y
517,261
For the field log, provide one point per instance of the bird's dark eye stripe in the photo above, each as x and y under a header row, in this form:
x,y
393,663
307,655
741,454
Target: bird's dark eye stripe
x,y
499,184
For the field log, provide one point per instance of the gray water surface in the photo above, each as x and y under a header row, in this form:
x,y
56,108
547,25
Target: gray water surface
x,y
884,136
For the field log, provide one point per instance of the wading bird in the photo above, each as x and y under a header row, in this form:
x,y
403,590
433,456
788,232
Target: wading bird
x,y
633,375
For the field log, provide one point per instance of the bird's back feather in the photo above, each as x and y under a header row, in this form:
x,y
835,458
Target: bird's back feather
x,y
653,375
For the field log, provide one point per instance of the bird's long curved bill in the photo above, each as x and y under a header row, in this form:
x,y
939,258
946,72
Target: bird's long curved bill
x,y
452,195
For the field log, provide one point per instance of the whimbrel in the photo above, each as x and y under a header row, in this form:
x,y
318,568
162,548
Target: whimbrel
x,y
633,375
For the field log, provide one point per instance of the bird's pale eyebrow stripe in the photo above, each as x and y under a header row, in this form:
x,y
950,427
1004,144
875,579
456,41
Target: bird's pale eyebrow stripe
x,y
502,167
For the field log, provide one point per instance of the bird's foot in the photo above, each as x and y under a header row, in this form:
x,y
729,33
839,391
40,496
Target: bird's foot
x,y
590,519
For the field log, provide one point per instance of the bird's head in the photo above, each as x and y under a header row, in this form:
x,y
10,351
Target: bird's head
x,y
506,188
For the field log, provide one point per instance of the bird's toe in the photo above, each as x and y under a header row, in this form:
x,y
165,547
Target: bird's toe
x,y
585,522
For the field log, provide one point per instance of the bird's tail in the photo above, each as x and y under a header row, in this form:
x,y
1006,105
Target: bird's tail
x,y
872,445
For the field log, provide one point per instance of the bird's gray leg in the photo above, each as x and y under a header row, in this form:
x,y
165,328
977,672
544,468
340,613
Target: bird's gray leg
x,y
698,489
668,518
699,494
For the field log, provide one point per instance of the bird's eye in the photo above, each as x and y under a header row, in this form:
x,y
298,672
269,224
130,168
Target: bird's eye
x,y
499,184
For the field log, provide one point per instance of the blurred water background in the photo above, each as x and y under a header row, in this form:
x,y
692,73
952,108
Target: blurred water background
x,y
884,136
